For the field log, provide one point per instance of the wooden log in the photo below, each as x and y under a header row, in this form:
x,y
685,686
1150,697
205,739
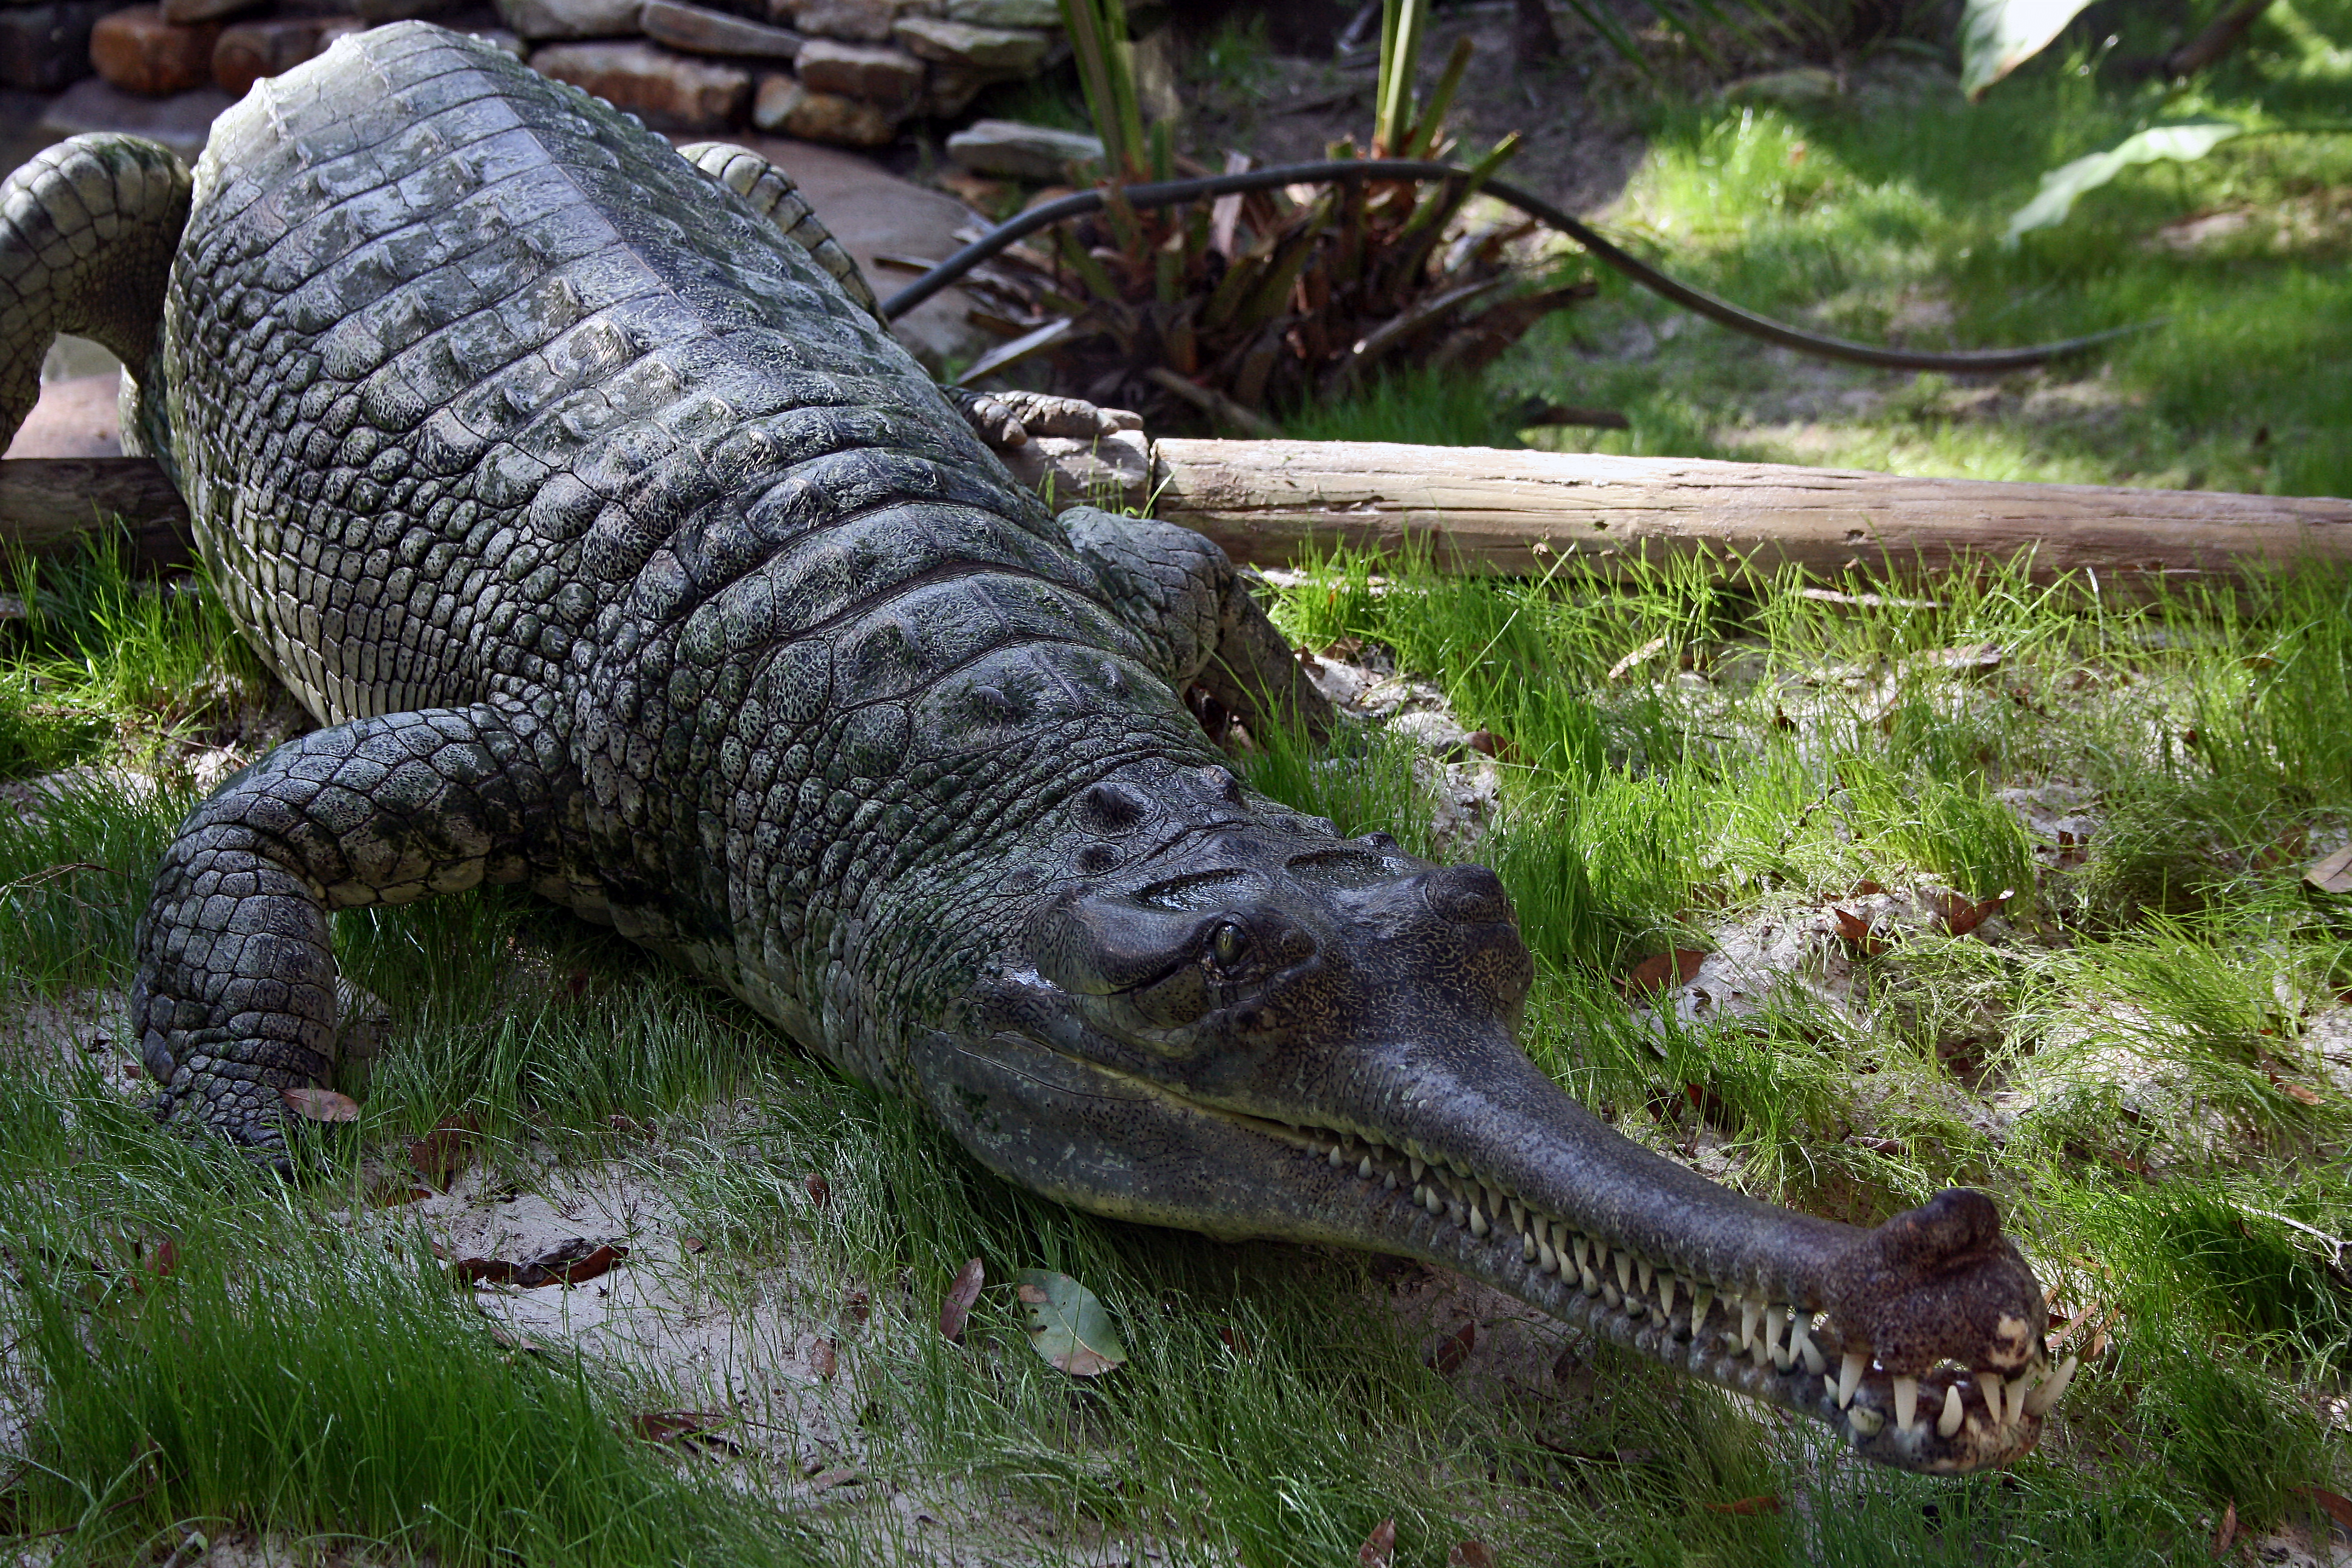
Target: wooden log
x,y
47,504
1519,513
1515,514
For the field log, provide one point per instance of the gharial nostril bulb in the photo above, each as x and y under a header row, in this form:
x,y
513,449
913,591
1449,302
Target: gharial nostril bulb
x,y
1470,894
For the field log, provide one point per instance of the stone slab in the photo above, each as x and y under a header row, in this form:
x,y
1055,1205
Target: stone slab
x,y
702,31
873,73
1021,151
181,123
670,91
538,19
873,212
138,51
961,44
75,419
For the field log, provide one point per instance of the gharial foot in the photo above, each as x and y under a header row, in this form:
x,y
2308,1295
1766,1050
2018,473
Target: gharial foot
x,y
1006,420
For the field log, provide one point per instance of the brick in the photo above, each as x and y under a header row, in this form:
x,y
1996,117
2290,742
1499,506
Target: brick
x,y
140,52
248,51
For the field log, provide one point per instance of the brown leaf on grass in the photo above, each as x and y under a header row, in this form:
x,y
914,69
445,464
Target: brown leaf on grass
x,y
820,1191
313,1104
956,1310
1865,889
2228,1530
1763,1503
1967,659
2338,1507
1664,969
162,1260
507,1339
824,1358
1854,930
1379,1549
1068,1324
1470,1554
2331,873
627,1126
840,1476
395,1196
855,1303
684,1428
692,1243
441,1154
571,1262
1962,914
1454,1350
1235,1340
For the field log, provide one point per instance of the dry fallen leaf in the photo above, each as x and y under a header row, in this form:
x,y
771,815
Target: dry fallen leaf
x,y
1962,914
1235,1340
692,1243
1379,1549
320,1104
1655,973
162,1260
685,1428
1067,1325
956,1310
1764,1502
2228,1530
1454,1349
2338,1507
1854,930
820,1191
842,1477
824,1358
445,1151
1470,1554
573,1262
2332,873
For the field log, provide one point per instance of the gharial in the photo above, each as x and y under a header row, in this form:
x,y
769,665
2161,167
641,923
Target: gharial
x,y
623,556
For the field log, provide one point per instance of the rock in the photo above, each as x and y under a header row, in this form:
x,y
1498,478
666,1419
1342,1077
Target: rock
x,y
1022,151
186,11
950,88
706,32
499,38
42,47
181,123
140,52
537,19
248,51
377,11
668,90
1046,14
787,106
892,79
961,44
74,418
873,213
857,21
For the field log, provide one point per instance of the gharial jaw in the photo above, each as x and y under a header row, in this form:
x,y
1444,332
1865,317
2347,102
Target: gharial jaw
x,y
1247,1039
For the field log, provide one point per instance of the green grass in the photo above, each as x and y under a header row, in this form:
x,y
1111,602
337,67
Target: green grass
x,y
1879,215
1770,757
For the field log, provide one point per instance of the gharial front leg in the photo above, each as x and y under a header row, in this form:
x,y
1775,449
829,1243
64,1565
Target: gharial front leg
x,y
1184,595
234,1001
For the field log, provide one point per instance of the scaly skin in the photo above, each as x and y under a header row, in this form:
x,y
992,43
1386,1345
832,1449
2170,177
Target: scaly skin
x,y
625,556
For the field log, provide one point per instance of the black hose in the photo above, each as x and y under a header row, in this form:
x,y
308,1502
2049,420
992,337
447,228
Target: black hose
x,y
1171,191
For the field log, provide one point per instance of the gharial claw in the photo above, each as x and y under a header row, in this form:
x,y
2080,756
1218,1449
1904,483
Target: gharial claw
x,y
1006,420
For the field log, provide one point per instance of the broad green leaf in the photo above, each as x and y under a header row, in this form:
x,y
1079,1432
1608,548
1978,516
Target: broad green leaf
x,y
1067,1325
2060,186
1998,35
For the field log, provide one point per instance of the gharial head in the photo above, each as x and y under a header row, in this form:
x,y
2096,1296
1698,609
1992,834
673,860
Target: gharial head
x,y
1229,1019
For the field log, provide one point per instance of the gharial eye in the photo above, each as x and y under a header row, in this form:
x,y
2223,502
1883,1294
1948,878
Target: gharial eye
x,y
1228,945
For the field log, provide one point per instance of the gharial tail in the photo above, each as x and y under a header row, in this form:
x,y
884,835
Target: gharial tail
x,y
88,229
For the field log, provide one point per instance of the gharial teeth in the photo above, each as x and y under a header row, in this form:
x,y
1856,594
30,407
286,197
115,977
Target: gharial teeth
x,y
1644,1273
1419,1169
2018,1388
1907,1402
1339,1154
1518,1214
1954,1412
1666,1294
1527,1248
1364,1170
2044,1397
1748,1307
1850,1373
1625,1272
1478,1225
1801,1341
1990,1382
1431,1202
1545,1258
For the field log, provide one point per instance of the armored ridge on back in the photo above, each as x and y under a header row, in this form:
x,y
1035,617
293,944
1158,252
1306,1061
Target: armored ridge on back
x,y
625,557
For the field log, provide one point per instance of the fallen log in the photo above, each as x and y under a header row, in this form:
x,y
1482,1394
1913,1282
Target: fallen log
x,y
1520,513
1511,513
49,504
